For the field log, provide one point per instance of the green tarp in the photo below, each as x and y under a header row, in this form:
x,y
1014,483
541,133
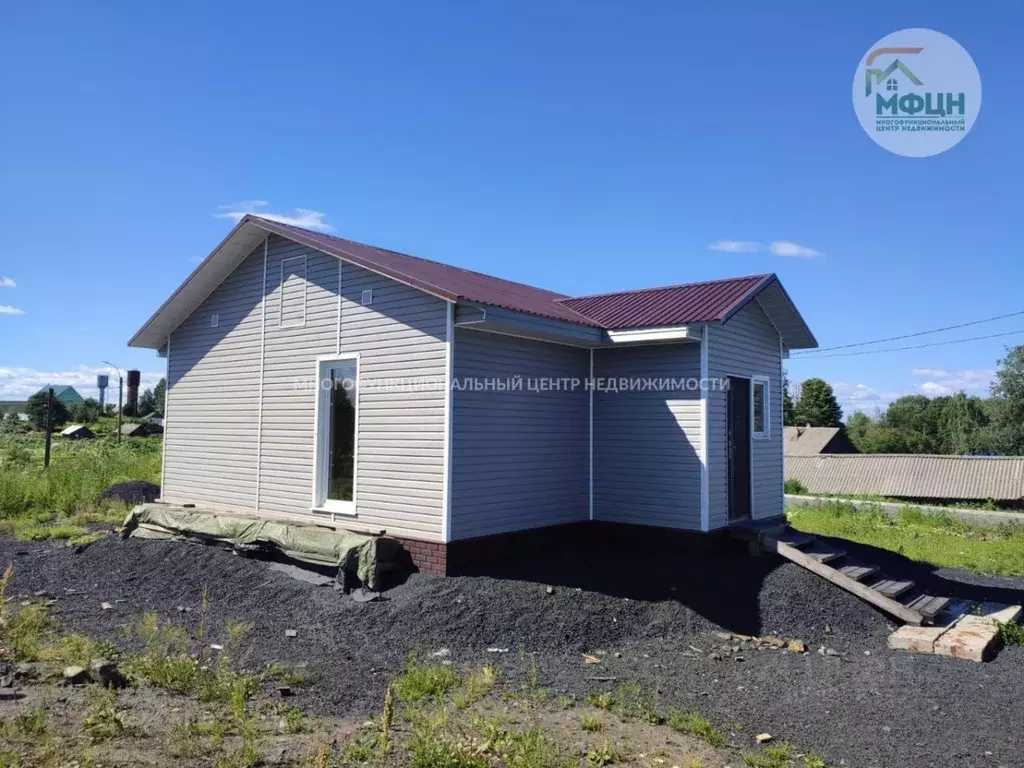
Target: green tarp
x,y
356,553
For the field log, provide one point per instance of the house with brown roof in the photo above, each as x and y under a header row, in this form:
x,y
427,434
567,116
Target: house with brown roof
x,y
813,441
319,380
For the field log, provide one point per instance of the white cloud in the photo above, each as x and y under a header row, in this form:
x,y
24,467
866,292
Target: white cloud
x,y
7,309
786,248
6,282
942,382
735,246
861,397
300,217
21,383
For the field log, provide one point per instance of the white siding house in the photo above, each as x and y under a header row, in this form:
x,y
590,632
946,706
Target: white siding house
x,y
319,380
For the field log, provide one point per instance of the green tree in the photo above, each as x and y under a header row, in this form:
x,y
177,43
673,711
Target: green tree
x,y
160,395
36,410
147,403
960,425
788,417
817,405
858,428
86,412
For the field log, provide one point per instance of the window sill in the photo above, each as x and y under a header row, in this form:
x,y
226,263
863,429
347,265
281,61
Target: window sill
x,y
761,436
343,511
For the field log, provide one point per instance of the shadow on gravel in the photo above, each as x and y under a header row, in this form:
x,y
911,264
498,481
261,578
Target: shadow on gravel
x,y
721,583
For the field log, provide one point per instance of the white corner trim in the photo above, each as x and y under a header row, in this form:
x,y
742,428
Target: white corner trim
x,y
259,397
666,333
591,387
337,347
705,484
167,400
446,493
318,501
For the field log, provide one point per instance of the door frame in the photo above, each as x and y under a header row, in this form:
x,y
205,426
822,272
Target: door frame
x,y
321,434
750,447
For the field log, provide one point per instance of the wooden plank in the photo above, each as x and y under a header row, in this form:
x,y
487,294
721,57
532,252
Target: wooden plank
x,y
795,538
927,605
822,552
891,587
853,586
858,571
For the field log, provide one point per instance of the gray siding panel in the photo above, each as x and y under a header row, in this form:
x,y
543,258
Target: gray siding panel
x,y
747,345
520,459
214,391
647,444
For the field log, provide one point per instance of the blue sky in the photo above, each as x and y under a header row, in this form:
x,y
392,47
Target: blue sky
x,y
578,146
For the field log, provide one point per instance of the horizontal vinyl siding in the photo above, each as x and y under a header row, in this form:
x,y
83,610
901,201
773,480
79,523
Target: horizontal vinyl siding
x,y
213,396
401,335
647,444
747,345
214,392
520,459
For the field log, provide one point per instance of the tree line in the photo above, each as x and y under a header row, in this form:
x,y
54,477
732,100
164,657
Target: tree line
x,y
949,424
88,411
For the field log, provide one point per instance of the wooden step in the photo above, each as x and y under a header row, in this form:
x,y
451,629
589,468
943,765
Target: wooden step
x,y
857,571
926,605
823,553
794,538
891,588
858,588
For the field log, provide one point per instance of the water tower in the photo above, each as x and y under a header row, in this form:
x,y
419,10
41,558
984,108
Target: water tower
x,y
102,382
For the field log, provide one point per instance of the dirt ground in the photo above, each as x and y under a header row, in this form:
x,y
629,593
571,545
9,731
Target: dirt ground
x,y
656,622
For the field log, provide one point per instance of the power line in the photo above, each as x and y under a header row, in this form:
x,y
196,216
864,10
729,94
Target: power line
x,y
912,346
814,352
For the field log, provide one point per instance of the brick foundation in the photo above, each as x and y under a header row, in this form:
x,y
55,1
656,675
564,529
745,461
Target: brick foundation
x,y
472,555
427,556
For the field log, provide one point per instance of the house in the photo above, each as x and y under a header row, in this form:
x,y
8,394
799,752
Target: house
x,y
77,432
65,394
918,477
812,441
315,379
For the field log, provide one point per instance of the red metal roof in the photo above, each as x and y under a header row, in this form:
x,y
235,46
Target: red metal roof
x,y
674,305
444,280
713,301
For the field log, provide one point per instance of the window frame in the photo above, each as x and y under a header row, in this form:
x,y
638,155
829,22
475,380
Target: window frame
x,y
766,433
321,437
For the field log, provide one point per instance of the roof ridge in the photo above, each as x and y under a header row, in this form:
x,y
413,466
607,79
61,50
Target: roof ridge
x,y
669,287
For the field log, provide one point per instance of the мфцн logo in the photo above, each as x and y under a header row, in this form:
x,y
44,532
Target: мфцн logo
x,y
917,92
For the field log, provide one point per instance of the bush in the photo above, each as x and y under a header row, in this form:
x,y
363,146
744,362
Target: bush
x,y
794,487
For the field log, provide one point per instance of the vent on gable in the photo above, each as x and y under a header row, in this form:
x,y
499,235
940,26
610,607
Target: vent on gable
x,y
367,299
214,320
293,292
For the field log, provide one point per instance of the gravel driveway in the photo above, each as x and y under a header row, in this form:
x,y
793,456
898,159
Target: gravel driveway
x,y
866,706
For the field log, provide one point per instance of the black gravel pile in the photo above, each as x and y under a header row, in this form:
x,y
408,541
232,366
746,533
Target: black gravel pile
x,y
132,492
866,705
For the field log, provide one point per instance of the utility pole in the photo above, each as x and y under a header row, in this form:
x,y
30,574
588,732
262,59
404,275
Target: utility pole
x,y
49,427
120,396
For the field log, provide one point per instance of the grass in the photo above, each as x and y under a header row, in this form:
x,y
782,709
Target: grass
x,y
936,539
38,504
591,723
695,724
421,682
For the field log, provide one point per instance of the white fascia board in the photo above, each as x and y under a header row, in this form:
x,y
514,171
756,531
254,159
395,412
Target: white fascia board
x,y
664,333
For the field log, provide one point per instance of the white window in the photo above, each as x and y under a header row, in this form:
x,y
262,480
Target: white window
x,y
759,395
337,418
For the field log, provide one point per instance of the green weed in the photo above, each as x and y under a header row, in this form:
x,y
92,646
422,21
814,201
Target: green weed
x,y
695,724
103,721
591,723
1011,633
602,700
421,682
